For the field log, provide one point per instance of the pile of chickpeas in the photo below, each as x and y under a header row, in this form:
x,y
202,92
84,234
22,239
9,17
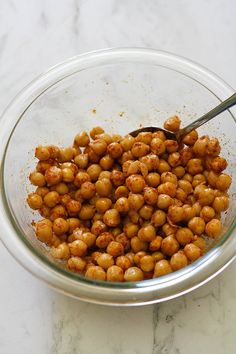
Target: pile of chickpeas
x,y
124,208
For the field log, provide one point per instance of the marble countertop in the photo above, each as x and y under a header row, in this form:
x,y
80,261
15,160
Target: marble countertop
x,y
37,34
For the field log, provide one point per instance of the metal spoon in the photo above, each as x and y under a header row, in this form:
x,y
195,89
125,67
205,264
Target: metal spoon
x,y
229,102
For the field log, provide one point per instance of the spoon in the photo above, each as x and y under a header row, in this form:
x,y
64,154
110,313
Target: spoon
x,y
229,102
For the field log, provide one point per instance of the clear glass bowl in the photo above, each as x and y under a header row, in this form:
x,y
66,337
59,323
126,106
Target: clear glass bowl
x,y
118,89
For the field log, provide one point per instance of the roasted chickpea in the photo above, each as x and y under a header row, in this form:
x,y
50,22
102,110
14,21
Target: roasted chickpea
x,y
164,201
171,146
123,262
176,213
146,212
73,207
80,178
184,236
174,159
194,166
218,164
86,212
115,273
117,178
220,204
94,171
206,196
103,204
207,213
159,134
98,227
127,142
135,183
121,191
169,246
44,231
105,260
213,228
95,272
78,248
162,267
76,264
158,218
131,230
122,205
106,162
197,208
190,138
153,179
168,188
35,201
42,191
81,139
103,187
53,175
199,242
66,154
158,146
81,160
212,178
150,195
192,252
213,147
134,216
147,263
147,233
115,249
104,239
178,261
140,149
96,131
37,179
197,225
133,274
88,238
198,179
172,124
180,195
58,211
87,190
42,153
200,146
115,150
151,161
111,218
169,229
51,199
223,182
155,244
61,252
99,146
138,245
60,226
163,166
73,223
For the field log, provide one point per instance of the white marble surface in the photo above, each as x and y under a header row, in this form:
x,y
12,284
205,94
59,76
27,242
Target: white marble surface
x,y
37,34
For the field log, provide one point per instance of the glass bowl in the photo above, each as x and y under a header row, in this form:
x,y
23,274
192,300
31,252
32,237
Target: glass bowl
x,y
118,89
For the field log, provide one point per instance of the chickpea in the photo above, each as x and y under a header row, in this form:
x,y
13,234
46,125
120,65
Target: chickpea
x,y
155,244
178,261
153,179
61,252
198,179
158,256
186,155
92,157
67,175
144,137
37,179
130,256
169,229
163,166
213,228
147,263
127,142
44,231
194,166
197,208
82,139
105,261
223,182
103,204
34,201
80,178
150,195
220,204
126,156
147,233
164,201
131,230
184,236
81,160
51,199
181,195
106,137
213,147
121,191
146,212
175,213
115,274
134,216
200,146
123,262
98,227
218,164
212,178
122,205
192,252
207,213
117,178
66,154
42,191
174,159
135,167
138,245
197,225
103,187
42,166
159,134
104,239
162,267
135,183
115,150
42,153
76,264
111,218
86,212
87,190
94,171
158,146
133,274
186,186
178,171
140,149
171,146
99,146
96,273
88,238
60,226
53,175
61,188
206,196
58,211
169,177
158,218
172,124
187,177
199,242
106,162
168,188
151,161
115,249
96,131
73,223
190,138
78,248
169,245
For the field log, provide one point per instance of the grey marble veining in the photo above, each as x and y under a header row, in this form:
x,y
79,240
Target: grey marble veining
x,y
37,34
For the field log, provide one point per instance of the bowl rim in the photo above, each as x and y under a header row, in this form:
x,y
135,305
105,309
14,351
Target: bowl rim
x,y
42,267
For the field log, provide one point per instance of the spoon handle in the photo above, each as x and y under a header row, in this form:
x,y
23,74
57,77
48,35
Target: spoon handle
x,y
229,102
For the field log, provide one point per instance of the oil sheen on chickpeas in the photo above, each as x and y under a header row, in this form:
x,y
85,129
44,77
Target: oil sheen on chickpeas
x,y
118,208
